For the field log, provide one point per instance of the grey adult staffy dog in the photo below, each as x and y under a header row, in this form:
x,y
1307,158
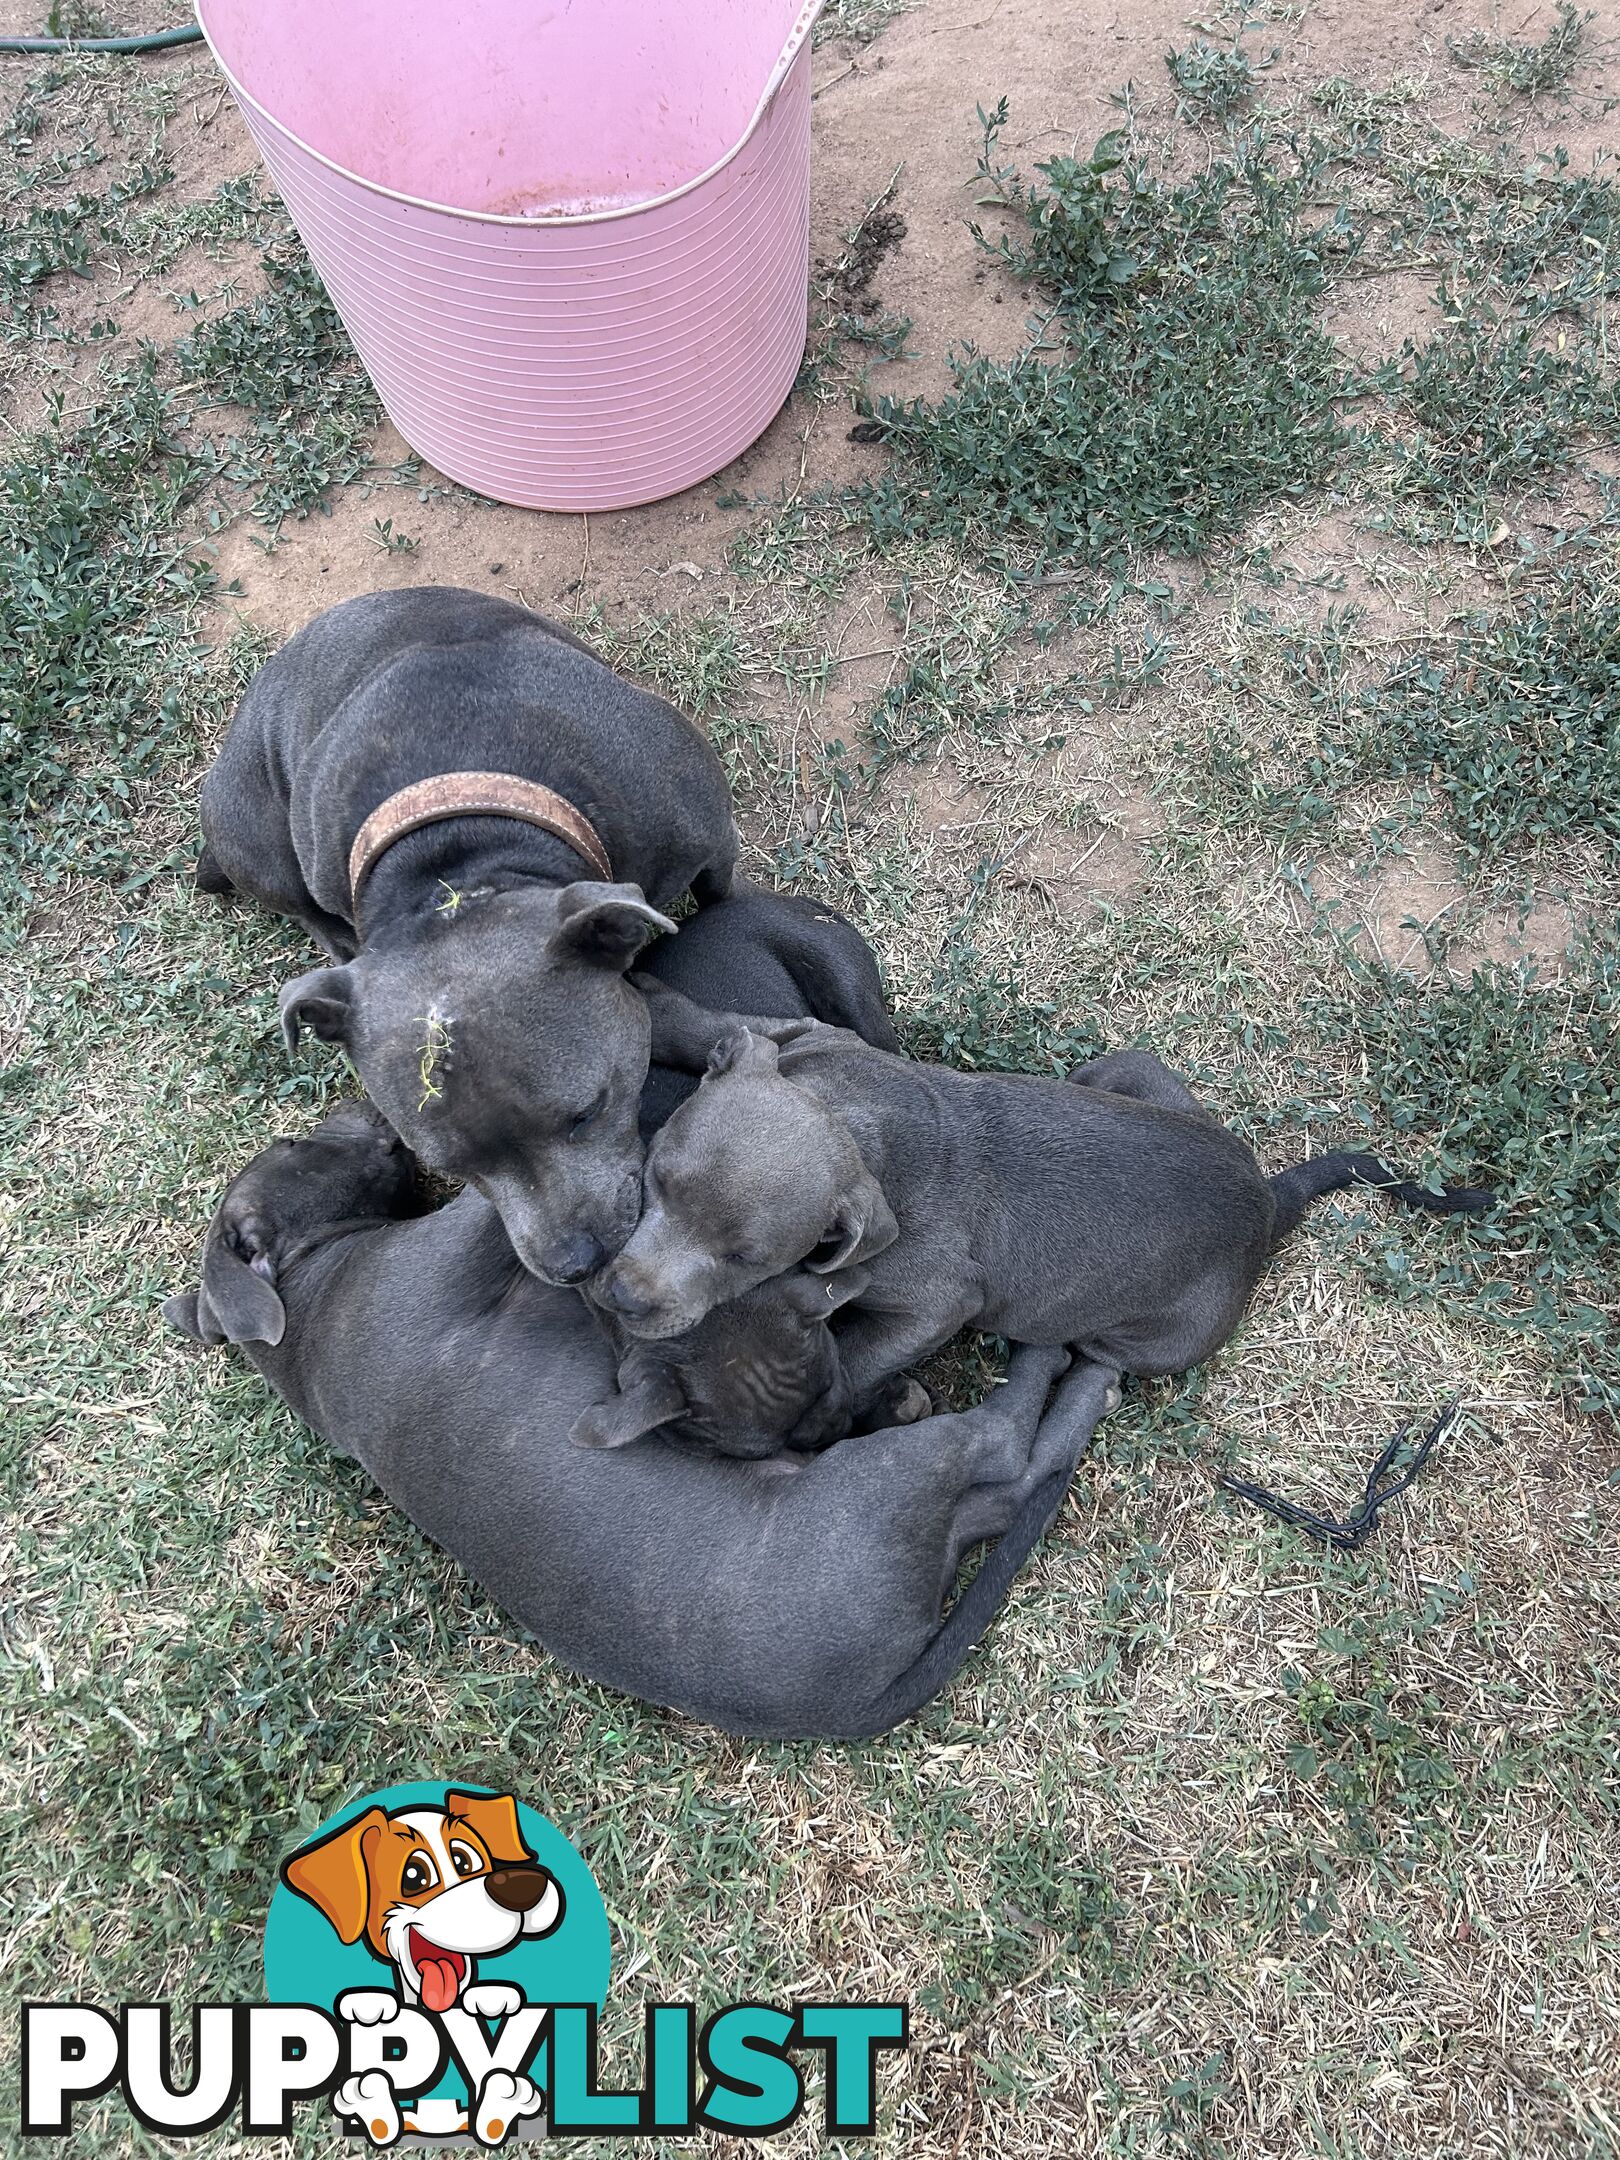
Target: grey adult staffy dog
x,y
1115,1214
481,990
779,1602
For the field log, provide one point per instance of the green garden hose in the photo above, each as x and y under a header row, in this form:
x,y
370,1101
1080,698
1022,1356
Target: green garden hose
x,y
153,43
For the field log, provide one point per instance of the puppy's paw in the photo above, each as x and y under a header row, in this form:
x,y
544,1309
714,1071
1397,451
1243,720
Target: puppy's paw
x,y
369,2100
368,2006
783,1032
912,1402
492,1999
503,2100
1114,1397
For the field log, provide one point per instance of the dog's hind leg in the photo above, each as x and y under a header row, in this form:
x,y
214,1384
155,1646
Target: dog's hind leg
x,y
1139,1074
1085,1394
209,876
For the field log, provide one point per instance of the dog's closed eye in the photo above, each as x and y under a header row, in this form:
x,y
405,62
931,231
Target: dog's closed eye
x,y
588,1116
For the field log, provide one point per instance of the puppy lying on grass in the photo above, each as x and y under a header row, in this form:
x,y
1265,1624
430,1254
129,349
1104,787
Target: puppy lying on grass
x,y
1108,1210
756,1375
779,1602
762,1373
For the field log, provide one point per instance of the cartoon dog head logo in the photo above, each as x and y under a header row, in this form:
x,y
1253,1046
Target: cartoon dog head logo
x,y
438,1905
430,1889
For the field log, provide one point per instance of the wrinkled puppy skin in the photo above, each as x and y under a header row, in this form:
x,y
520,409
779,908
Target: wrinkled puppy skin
x,y
749,1178
757,1375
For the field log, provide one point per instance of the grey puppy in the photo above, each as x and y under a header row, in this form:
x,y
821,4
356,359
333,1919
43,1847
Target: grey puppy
x,y
1114,1214
763,1372
756,1375
481,991
771,954
779,1602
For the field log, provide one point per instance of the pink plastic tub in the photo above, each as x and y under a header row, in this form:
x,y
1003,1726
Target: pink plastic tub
x,y
569,238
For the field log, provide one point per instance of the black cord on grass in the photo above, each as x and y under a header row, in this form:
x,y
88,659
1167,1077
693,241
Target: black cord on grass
x,y
154,41
1346,1536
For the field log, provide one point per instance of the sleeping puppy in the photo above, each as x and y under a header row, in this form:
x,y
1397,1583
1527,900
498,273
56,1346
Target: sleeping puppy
x,y
762,1373
777,1601
756,1375
481,823
1114,1214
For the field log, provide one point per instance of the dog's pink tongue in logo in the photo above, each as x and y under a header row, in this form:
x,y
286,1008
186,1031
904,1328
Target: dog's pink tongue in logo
x,y
439,1973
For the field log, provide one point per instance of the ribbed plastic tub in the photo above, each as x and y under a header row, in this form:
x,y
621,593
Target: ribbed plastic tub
x,y
569,238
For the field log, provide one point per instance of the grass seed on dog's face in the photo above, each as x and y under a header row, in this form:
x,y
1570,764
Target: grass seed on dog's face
x,y
507,1048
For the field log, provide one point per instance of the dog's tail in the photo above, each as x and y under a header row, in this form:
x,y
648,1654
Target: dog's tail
x,y
1295,1189
959,1632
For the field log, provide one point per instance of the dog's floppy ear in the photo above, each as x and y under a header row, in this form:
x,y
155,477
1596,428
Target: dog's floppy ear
x,y
740,1050
333,1875
622,1418
181,1312
238,1302
495,1818
863,1225
816,1297
607,925
322,1001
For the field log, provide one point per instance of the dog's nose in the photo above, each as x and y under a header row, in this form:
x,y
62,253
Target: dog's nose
x,y
620,1298
571,1259
516,1889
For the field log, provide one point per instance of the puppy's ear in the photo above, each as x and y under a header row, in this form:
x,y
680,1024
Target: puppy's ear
x,y
862,1227
606,925
816,1297
181,1312
622,1418
740,1050
495,1818
322,1001
333,1875
239,1302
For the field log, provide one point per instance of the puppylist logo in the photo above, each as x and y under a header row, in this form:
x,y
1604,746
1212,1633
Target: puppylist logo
x,y
436,1958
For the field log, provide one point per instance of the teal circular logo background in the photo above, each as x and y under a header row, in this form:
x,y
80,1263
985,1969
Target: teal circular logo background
x,y
305,1960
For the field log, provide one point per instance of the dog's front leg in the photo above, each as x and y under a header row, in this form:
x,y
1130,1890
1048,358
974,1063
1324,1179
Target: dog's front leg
x,y
492,1999
686,1035
368,2006
876,1344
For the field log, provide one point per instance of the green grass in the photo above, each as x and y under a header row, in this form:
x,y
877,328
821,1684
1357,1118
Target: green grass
x,y
1188,305
1512,723
1494,409
856,22
1211,81
1527,68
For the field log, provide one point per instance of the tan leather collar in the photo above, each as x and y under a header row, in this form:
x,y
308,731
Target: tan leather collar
x,y
471,794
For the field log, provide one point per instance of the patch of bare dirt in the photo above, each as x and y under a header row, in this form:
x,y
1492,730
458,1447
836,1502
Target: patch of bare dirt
x,y
1397,911
1372,318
